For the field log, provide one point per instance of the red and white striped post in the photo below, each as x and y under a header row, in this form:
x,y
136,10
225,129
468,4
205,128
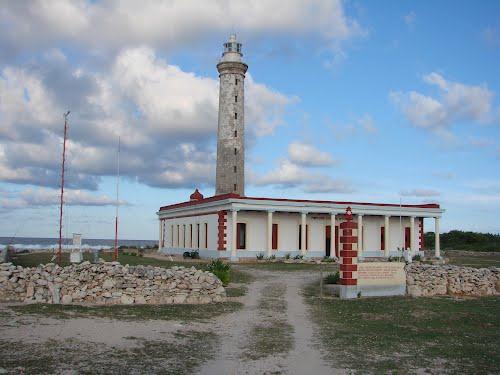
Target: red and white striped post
x,y
348,256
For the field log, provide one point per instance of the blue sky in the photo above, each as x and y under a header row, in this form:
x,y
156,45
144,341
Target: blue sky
x,y
345,100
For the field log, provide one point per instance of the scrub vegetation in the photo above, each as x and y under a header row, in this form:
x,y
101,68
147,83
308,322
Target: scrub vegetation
x,y
460,240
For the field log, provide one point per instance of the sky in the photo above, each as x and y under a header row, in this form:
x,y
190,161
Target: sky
x,y
345,100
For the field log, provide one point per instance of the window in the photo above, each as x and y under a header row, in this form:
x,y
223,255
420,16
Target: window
x,y
190,235
172,236
235,116
407,238
241,235
234,168
198,235
235,151
178,241
206,236
382,238
236,80
275,237
234,187
235,133
300,236
184,235
236,98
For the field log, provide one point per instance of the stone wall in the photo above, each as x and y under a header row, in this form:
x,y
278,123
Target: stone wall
x,y
433,280
108,283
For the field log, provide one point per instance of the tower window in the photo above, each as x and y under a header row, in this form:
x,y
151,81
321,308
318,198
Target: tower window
x,y
234,187
234,169
236,133
236,81
235,116
235,151
236,99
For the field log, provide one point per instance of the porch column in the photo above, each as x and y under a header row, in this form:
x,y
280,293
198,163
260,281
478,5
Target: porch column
x,y
360,235
303,233
387,241
333,243
412,234
160,235
234,226
437,248
269,233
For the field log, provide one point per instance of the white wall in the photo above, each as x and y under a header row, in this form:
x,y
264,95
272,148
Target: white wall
x,y
212,222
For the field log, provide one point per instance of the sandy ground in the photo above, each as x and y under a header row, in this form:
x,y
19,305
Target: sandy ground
x,y
234,330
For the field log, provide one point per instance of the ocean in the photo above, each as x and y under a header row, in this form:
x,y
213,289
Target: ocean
x,y
37,243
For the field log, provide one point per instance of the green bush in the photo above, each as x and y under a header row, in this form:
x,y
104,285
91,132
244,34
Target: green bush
x,y
195,254
332,278
297,257
272,257
260,256
288,256
221,270
417,258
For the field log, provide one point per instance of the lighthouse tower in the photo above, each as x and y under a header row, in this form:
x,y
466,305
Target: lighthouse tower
x,y
230,173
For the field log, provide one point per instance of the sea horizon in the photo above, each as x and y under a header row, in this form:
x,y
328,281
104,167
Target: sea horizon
x,y
48,243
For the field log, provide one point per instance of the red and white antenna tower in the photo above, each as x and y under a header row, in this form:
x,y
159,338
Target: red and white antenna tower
x,y
59,251
115,255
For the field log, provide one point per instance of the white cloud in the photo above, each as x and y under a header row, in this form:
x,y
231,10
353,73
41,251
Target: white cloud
x,y
114,24
420,193
307,155
410,18
360,125
48,197
288,175
457,102
166,117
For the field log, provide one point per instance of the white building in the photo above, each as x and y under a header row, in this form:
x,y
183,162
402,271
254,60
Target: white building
x,y
231,225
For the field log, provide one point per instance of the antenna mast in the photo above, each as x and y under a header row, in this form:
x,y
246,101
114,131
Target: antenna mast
x,y
59,251
115,255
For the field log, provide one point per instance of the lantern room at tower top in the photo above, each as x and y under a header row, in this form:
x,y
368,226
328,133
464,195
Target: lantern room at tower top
x,y
234,226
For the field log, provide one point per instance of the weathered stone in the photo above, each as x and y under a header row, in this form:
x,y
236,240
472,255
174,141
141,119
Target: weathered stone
x,y
126,299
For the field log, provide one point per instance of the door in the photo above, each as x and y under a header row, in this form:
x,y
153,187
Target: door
x,y
328,239
407,238
275,237
337,251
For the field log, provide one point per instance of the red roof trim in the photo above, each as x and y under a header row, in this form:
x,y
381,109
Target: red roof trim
x,y
236,196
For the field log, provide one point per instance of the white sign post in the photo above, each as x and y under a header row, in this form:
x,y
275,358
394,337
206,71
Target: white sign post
x,y
76,255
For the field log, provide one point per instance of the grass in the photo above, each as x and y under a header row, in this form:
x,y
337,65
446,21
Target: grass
x,y
282,266
401,335
180,355
273,336
478,261
43,257
236,291
184,313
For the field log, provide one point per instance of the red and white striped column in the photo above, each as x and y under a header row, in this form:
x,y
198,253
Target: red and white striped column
x,y
348,256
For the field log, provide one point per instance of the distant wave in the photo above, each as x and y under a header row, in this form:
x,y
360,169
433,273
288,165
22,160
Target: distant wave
x,y
36,244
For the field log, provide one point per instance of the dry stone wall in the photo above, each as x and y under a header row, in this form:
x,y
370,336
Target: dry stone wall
x,y
433,280
108,283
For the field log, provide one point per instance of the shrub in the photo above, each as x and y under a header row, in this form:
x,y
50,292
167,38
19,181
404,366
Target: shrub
x,y
332,278
328,260
417,258
260,256
288,256
186,254
272,257
221,270
299,256
195,254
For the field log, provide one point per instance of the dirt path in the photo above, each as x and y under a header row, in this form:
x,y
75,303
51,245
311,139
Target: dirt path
x,y
238,331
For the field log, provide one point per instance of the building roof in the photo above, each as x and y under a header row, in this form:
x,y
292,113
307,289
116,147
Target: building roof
x,y
236,196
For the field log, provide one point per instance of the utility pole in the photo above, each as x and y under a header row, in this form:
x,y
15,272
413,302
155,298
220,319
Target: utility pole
x,y
59,251
115,255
